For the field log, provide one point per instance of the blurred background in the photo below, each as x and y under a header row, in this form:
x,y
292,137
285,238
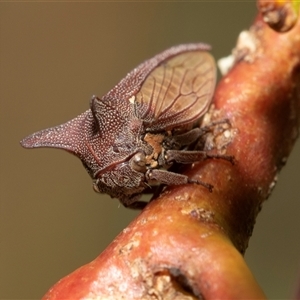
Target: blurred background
x,y
53,58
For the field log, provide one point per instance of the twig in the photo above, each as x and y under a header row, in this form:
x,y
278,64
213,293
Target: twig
x,y
188,243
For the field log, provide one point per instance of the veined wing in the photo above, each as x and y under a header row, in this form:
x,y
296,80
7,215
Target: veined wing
x,y
173,88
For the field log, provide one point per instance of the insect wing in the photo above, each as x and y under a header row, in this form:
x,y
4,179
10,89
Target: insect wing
x,y
178,92
172,89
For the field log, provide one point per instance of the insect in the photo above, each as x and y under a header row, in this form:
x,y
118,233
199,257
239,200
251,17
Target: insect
x,y
131,136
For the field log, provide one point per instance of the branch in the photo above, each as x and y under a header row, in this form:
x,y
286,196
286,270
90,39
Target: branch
x,y
188,243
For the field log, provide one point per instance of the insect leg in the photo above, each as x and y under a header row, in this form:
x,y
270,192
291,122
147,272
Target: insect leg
x,y
136,205
189,157
185,139
188,138
133,202
170,178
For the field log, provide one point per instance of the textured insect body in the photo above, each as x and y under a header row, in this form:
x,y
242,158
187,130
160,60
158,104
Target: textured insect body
x,y
131,136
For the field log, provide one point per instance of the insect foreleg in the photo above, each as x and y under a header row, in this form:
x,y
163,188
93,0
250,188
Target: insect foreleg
x,y
136,205
184,157
189,157
184,139
170,178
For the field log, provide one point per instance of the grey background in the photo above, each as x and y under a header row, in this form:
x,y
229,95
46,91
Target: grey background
x,y
54,57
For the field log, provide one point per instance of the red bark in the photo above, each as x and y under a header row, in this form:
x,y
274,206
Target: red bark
x,y
188,243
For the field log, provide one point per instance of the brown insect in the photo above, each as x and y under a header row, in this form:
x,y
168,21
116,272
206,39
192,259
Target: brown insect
x,y
131,136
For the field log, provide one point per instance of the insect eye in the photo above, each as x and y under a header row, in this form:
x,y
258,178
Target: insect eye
x,y
138,162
